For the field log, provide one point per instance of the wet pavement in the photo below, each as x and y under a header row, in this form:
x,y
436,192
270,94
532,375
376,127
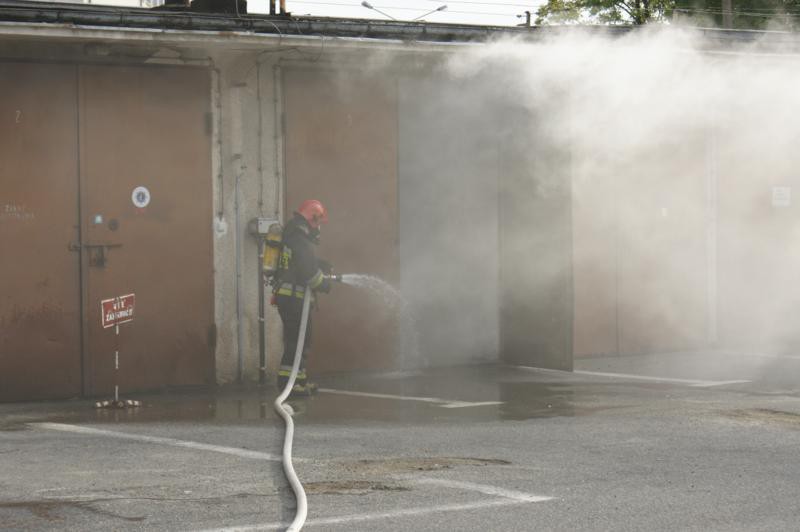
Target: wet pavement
x,y
473,448
762,372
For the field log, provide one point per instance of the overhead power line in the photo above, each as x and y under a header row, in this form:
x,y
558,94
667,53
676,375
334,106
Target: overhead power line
x,y
529,4
776,14
404,8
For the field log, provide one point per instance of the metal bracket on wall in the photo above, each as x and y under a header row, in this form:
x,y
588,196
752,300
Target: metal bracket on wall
x,y
97,252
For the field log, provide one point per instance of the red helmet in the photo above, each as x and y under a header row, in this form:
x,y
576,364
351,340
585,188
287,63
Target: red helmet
x,y
314,212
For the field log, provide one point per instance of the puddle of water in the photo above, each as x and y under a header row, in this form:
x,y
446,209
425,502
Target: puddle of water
x,y
522,397
221,406
528,400
520,401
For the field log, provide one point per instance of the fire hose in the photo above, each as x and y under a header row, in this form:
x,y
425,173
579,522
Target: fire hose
x,y
285,412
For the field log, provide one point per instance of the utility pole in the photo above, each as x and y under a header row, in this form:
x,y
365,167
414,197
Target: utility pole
x,y
727,14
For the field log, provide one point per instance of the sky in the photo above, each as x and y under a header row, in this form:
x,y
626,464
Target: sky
x,y
488,12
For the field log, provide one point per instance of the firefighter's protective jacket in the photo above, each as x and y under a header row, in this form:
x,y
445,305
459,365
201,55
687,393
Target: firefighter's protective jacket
x,y
298,264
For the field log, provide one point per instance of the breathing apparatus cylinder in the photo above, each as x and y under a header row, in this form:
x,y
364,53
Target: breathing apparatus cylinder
x,y
272,249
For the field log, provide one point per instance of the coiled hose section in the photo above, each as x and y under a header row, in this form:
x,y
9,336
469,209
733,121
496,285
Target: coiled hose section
x,y
286,414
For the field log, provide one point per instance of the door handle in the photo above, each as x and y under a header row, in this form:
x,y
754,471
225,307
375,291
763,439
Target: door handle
x,y
97,253
96,246
77,246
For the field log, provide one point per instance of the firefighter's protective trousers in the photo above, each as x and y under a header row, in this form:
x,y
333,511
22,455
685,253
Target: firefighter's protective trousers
x,y
291,311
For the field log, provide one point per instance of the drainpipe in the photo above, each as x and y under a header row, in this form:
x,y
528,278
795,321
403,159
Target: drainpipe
x,y
262,312
236,148
277,157
277,218
278,132
262,318
239,309
220,226
727,14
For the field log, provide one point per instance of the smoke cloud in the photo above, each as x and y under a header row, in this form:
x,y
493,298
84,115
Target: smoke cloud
x,y
681,165
669,170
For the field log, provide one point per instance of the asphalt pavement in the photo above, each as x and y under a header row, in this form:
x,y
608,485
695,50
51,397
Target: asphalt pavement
x,y
619,445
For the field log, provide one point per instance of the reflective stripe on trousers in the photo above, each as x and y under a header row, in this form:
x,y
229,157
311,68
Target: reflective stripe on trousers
x,y
287,289
286,371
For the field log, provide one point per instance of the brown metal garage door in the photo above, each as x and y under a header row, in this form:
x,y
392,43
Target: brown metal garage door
x,y
76,142
147,127
341,148
40,295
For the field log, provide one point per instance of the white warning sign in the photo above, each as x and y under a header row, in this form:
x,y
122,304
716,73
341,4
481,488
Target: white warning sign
x,y
117,310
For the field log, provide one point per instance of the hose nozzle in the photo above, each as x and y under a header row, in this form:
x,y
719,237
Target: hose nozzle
x,y
335,277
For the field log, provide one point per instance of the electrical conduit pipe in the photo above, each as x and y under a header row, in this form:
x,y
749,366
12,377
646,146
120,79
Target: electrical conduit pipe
x,y
286,413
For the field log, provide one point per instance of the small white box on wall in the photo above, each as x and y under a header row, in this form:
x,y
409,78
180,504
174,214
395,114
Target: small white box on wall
x,y
781,196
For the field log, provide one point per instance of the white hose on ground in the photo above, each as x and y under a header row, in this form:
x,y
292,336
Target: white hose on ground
x,y
288,468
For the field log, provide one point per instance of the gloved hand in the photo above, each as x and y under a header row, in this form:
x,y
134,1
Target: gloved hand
x,y
325,266
325,287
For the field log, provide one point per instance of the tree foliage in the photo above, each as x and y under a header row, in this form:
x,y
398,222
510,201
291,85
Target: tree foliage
x,y
604,11
746,14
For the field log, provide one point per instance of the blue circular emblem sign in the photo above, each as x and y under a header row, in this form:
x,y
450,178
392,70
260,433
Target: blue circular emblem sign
x,y
140,197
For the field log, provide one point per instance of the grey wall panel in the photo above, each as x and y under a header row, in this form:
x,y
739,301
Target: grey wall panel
x,y
448,174
536,309
341,148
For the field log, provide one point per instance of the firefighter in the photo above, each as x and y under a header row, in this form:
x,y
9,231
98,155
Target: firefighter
x,y
299,268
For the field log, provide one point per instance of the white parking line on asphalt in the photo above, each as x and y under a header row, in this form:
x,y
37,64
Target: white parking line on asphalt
x,y
765,355
464,404
444,403
242,453
508,498
354,518
690,382
483,488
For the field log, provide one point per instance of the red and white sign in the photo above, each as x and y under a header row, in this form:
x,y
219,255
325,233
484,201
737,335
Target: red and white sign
x,y
117,310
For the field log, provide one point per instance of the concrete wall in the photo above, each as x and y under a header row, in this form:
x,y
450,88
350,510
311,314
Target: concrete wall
x,y
249,173
536,275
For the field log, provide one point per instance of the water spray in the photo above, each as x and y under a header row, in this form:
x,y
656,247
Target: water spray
x,y
392,298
